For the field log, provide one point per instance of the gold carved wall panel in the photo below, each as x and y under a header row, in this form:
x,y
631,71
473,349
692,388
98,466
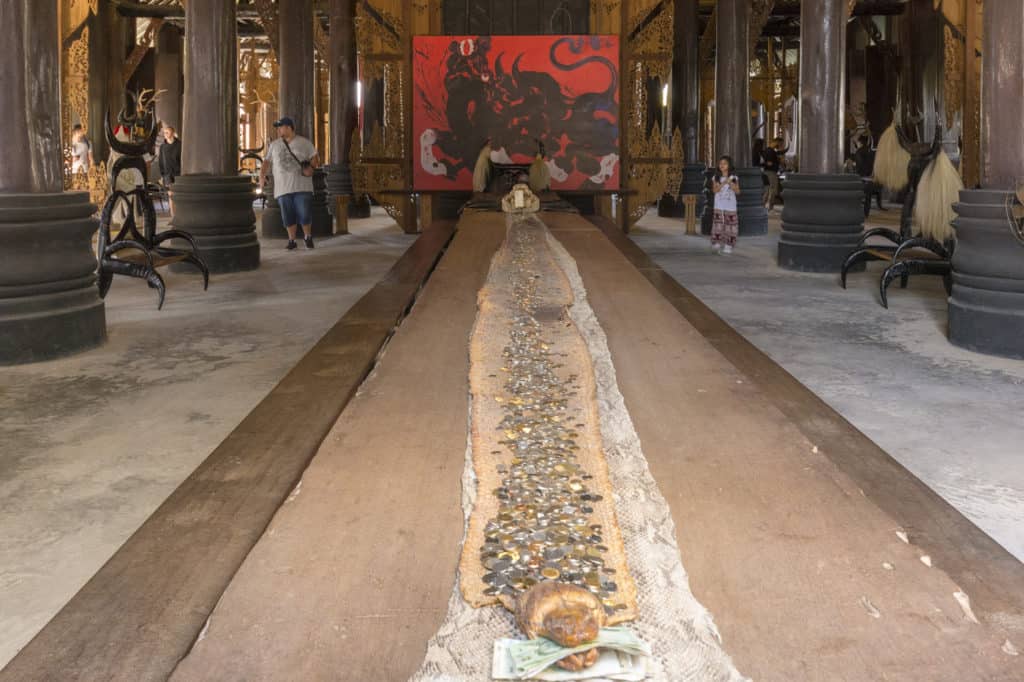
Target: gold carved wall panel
x,y
382,167
648,161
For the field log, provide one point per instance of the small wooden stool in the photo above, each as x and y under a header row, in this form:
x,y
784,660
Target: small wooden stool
x,y
690,211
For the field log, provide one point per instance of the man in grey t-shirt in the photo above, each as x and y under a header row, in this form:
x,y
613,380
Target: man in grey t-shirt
x,y
292,159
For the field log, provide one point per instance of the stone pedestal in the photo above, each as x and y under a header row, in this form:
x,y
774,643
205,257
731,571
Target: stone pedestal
x,y
49,303
822,220
750,203
753,217
707,215
339,184
217,211
670,206
693,183
271,224
323,224
986,310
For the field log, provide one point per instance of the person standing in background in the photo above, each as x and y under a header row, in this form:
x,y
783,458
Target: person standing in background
x,y
770,168
169,159
292,159
725,227
81,150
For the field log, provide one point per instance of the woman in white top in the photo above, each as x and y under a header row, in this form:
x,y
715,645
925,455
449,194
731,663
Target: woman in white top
x,y
725,227
81,151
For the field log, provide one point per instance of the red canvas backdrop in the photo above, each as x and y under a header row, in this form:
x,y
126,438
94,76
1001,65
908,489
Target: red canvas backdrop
x,y
562,91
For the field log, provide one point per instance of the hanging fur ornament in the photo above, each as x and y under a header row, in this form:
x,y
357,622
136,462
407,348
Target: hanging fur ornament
x,y
937,191
891,161
482,172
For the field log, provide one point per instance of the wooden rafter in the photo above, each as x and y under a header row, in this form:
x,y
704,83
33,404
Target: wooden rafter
x,y
759,15
267,11
139,53
707,41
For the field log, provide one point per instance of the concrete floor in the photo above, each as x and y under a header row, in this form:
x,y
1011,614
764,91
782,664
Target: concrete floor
x,y
952,417
92,444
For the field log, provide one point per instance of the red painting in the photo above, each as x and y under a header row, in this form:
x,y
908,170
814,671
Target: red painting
x,y
557,95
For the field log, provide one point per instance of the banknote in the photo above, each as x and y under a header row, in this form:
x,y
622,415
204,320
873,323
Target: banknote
x,y
623,657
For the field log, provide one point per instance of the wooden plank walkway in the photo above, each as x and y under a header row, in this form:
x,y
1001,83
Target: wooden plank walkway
x,y
141,613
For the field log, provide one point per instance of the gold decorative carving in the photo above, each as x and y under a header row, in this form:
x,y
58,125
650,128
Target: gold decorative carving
x,y
380,168
674,174
759,15
75,82
320,40
647,157
267,11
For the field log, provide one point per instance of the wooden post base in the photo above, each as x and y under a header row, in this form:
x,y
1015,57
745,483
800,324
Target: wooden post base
x,y
341,214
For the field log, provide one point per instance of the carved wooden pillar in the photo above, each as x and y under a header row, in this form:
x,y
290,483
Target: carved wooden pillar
x,y
168,75
732,110
685,107
343,114
213,202
688,97
49,303
106,56
986,310
295,53
824,211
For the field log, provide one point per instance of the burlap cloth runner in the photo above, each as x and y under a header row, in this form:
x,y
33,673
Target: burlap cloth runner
x,y
490,396
681,632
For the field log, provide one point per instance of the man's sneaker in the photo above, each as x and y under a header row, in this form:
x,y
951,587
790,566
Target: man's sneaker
x,y
292,245
309,242
727,249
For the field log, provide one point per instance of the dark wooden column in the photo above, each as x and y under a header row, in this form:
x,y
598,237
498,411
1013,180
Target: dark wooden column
x,y
824,210
108,33
688,83
685,107
49,304
213,202
169,75
686,77
295,96
822,85
732,109
732,82
986,310
210,127
343,114
1002,107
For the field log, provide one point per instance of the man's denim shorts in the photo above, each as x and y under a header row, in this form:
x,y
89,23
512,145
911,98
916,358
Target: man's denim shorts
x,y
296,208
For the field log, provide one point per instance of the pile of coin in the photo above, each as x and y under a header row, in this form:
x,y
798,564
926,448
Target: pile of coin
x,y
543,529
